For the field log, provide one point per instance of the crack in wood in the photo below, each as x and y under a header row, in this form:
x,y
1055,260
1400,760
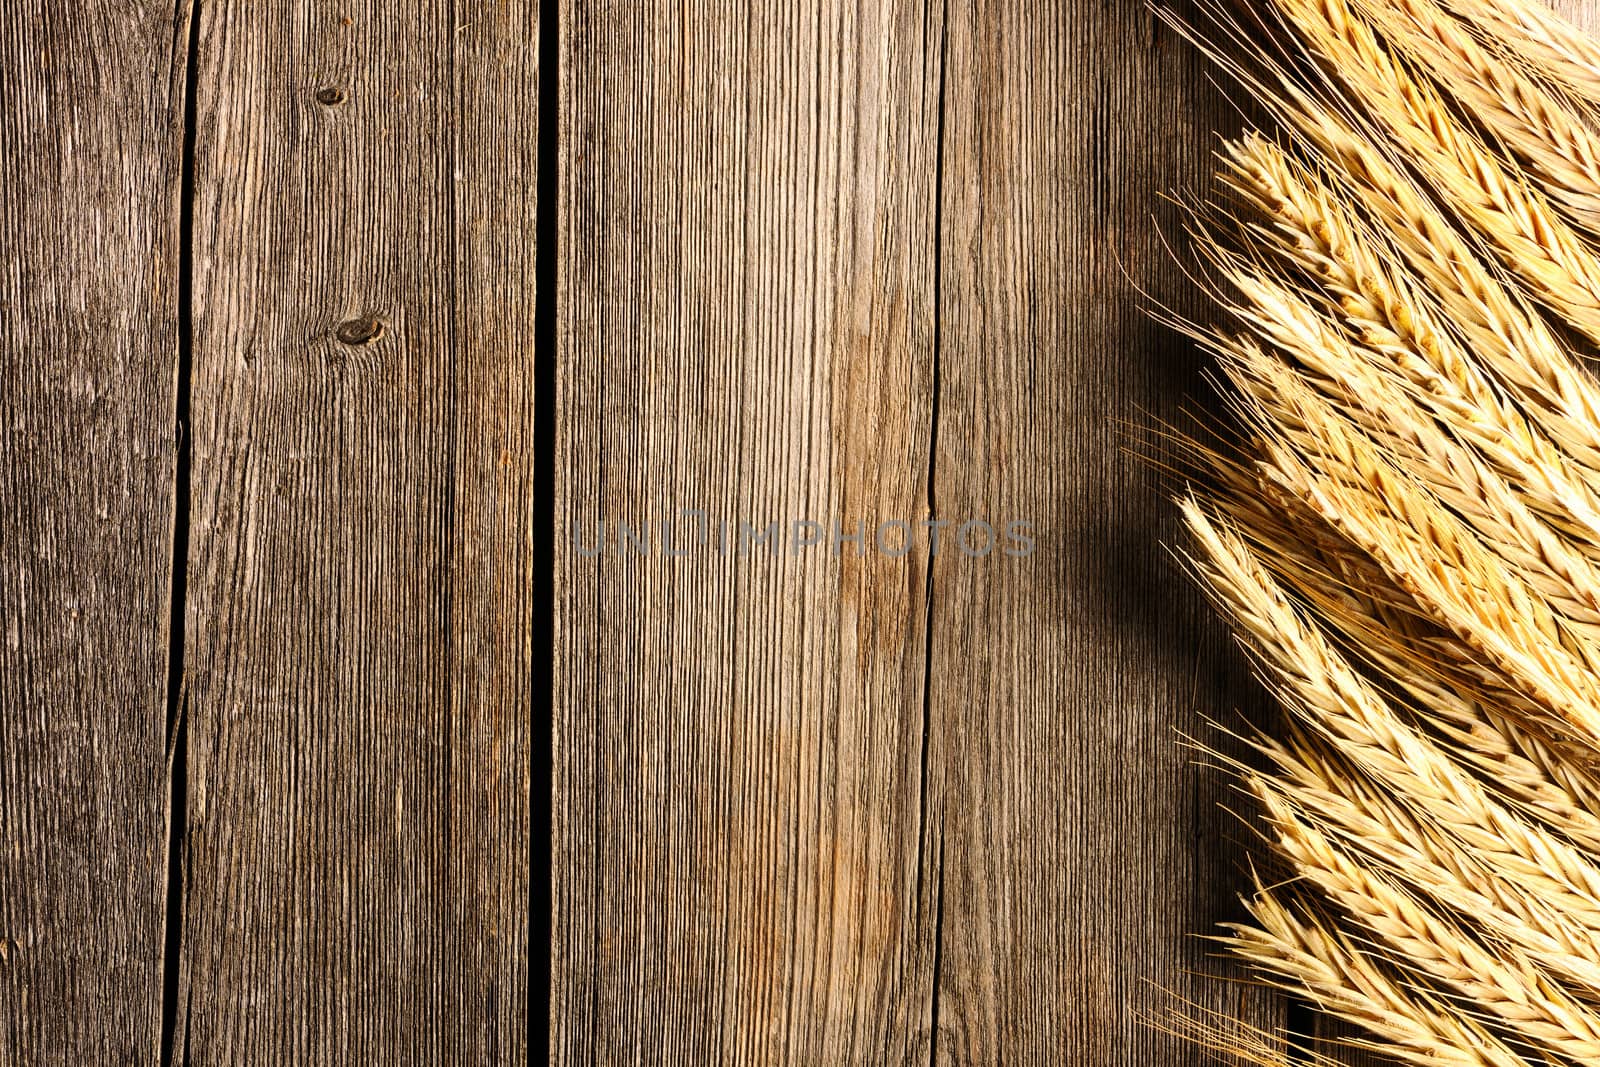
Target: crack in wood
x,y
546,281
177,728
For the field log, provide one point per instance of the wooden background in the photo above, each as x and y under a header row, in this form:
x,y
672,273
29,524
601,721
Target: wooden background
x,y
293,645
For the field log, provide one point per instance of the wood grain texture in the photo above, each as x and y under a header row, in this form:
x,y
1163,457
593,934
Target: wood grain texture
x,y
841,263
358,645
1082,848
746,262
89,178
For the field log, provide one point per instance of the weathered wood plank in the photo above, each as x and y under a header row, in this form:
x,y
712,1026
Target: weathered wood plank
x,y
1082,848
747,292
768,848
358,607
89,195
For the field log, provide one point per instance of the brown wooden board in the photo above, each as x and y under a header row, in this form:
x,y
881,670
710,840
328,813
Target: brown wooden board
x,y
89,208
1083,850
747,296
864,262
358,648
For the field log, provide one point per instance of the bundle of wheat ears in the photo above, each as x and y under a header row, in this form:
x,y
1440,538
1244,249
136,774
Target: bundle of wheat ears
x,y
1406,527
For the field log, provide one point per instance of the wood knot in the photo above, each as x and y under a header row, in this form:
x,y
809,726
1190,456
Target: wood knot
x,y
329,96
361,331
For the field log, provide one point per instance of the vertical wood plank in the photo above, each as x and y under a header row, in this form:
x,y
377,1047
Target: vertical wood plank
x,y
358,654
1082,848
747,329
89,187
774,839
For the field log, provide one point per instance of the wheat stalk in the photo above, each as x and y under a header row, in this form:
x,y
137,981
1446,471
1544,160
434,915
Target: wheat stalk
x,y
1499,327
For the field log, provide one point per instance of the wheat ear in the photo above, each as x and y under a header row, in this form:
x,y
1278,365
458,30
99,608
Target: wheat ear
x,y
1360,279
1419,661
1342,372
1315,681
1312,958
1506,335
1504,985
1504,210
1532,33
1546,133
1417,851
1353,488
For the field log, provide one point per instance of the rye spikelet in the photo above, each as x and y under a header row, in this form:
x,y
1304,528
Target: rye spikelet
x,y
1405,525
1545,133
1558,51
1308,955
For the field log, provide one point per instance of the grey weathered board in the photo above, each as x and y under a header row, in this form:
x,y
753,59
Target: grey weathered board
x,y
92,114
346,765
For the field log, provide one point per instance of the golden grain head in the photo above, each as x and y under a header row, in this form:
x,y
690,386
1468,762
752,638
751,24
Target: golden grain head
x,y
1406,530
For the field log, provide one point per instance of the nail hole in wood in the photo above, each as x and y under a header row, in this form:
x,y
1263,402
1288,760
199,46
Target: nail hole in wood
x,y
360,331
330,96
